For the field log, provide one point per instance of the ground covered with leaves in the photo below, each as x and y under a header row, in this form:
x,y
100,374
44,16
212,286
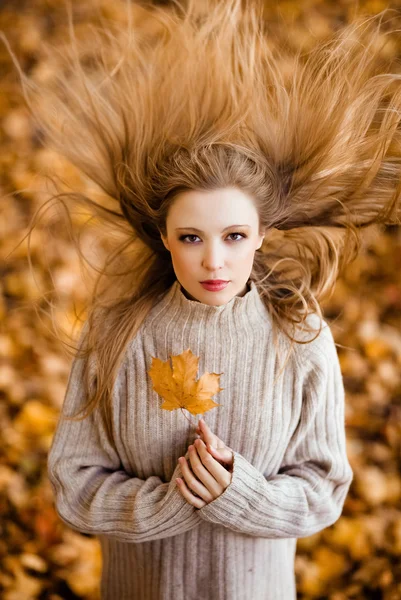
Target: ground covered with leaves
x,y
359,557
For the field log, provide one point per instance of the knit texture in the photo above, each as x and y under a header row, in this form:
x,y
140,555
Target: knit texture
x,y
290,476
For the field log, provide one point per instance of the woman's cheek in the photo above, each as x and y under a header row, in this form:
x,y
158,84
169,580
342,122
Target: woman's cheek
x,y
245,254
184,260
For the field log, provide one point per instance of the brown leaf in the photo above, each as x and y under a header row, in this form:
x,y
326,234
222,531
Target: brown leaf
x,y
178,387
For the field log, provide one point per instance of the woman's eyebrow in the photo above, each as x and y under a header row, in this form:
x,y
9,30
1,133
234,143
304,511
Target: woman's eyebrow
x,y
200,231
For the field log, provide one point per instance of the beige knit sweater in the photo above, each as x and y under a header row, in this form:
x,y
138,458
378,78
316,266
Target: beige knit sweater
x,y
290,476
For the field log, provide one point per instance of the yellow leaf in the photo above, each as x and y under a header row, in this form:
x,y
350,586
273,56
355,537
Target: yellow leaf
x,y
178,387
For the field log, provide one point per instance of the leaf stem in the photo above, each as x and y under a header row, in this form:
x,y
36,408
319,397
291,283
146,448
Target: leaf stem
x,y
188,419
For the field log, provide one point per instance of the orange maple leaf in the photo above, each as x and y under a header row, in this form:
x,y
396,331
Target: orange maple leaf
x,y
178,387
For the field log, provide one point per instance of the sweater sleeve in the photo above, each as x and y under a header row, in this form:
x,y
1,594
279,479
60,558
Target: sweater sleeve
x,y
308,492
94,494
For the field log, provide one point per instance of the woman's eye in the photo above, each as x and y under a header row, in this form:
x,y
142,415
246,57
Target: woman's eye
x,y
184,237
240,234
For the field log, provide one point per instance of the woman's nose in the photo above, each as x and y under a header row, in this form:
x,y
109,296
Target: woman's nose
x,y
213,258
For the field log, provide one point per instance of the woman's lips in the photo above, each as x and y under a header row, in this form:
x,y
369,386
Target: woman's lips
x,y
214,287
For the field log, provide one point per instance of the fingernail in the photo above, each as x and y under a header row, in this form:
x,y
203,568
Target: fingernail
x,y
212,447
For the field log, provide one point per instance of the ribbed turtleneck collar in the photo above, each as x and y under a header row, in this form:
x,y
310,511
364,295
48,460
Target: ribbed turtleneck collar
x,y
241,311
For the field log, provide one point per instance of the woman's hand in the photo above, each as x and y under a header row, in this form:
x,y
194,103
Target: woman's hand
x,y
208,478
217,448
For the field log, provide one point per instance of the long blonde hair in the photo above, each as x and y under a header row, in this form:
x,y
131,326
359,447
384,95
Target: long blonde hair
x,y
196,97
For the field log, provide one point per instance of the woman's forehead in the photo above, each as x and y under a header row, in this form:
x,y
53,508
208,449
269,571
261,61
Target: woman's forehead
x,y
218,209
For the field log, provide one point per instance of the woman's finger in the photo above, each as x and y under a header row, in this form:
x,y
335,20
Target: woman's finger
x,y
208,436
188,495
213,487
205,433
204,464
222,453
194,485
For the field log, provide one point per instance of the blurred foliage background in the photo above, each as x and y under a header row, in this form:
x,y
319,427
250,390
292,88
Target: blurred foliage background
x,y
40,558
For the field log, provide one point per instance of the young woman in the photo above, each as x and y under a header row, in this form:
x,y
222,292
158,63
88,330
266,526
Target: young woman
x,y
227,164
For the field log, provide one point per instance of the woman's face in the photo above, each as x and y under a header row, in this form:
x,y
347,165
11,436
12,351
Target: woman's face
x,y
213,235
